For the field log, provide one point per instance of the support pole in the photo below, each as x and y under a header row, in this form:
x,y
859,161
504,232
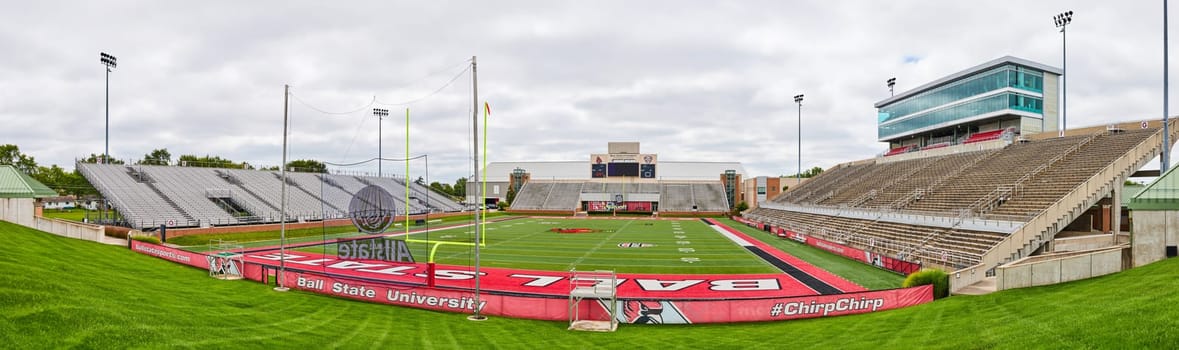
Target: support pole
x,y
476,316
282,240
407,173
1166,156
1064,86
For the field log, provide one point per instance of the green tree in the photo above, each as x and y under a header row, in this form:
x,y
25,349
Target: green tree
x,y
812,172
211,162
740,207
420,181
511,195
79,186
157,157
460,187
11,155
54,177
94,158
306,166
442,188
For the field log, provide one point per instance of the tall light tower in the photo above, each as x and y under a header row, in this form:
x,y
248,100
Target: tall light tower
x,y
110,62
1166,156
891,82
381,113
798,176
1062,20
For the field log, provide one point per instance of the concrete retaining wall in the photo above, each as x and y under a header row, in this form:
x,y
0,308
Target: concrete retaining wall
x,y
1090,242
17,210
71,229
1153,231
1059,268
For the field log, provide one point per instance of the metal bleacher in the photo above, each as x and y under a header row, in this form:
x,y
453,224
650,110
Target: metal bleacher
x,y
150,195
136,201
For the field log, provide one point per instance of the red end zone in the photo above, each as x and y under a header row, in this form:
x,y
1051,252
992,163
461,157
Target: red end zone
x,y
537,282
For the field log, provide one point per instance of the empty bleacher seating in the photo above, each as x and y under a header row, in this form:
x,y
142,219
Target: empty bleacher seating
x,y
148,195
1011,184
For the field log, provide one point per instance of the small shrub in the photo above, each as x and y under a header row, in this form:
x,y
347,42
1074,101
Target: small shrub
x,y
147,239
116,231
938,278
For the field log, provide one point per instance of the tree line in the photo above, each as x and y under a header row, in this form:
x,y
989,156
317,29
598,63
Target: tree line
x,y
73,183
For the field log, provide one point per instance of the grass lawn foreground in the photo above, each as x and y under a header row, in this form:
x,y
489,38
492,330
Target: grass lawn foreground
x,y
58,292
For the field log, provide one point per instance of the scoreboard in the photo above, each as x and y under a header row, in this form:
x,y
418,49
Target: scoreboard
x,y
623,165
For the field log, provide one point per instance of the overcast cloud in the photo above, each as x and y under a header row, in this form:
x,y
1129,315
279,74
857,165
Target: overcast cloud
x,y
698,81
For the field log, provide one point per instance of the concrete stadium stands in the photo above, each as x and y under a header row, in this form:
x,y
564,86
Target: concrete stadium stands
x,y
935,209
671,196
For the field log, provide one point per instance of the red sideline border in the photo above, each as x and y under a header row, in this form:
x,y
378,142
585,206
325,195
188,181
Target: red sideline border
x,y
821,274
879,260
668,311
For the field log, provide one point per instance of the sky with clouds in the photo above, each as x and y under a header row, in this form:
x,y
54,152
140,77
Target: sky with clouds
x,y
692,81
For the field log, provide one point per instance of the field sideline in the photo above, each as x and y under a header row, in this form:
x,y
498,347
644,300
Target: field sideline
x,y
675,247
59,292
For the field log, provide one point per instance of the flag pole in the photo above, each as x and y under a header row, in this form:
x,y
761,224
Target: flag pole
x,y
486,111
407,173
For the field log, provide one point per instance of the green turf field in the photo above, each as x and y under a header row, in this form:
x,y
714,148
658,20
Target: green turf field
x,y
679,247
57,292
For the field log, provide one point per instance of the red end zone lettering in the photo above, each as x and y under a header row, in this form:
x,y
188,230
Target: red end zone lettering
x,y
550,283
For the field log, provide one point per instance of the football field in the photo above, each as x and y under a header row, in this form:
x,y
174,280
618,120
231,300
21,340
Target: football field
x,y
622,245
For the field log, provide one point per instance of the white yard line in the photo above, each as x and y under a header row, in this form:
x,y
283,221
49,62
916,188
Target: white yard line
x,y
599,246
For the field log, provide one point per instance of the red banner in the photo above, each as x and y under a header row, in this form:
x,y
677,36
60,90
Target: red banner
x,y
629,311
670,309
636,206
171,254
879,260
596,206
539,282
866,257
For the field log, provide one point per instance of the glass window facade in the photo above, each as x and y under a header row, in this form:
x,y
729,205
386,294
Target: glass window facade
x,y
986,105
1002,77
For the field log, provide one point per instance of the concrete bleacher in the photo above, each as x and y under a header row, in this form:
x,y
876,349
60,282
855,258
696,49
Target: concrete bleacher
x,y
532,195
564,196
671,196
1036,185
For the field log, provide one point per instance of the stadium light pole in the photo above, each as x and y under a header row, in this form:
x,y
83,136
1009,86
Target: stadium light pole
x,y
798,176
1166,156
1062,20
381,113
891,82
110,62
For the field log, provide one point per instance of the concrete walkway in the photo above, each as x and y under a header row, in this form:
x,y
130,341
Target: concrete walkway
x,y
113,241
985,286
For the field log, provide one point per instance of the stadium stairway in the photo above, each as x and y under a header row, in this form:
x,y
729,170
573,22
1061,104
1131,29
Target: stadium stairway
x,y
1043,226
